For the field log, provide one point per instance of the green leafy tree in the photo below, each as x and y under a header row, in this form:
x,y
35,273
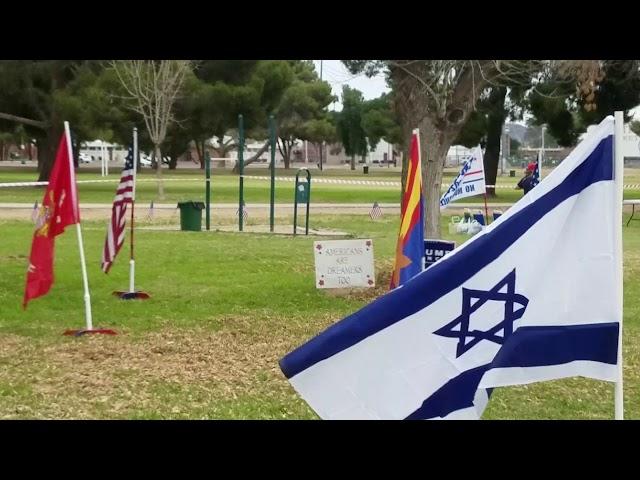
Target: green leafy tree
x,y
350,125
222,90
567,110
41,95
301,112
380,123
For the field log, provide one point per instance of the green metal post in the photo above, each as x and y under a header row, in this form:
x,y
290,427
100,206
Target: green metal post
x,y
207,168
272,141
295,207
307,198
306,232
241,166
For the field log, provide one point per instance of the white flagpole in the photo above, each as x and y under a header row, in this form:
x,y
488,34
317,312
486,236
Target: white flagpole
x,y
103,160
619,180
74,199
132,262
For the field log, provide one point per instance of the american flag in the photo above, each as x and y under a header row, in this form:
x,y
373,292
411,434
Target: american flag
x,y
116,228
536,172
376,211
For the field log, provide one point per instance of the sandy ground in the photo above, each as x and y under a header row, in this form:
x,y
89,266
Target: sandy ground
x,y
169,212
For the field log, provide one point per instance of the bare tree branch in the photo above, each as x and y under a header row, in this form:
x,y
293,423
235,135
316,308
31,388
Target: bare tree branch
x,y
26,121
152,87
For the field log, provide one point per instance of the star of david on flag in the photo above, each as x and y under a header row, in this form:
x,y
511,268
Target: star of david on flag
x,y
459,328
535,296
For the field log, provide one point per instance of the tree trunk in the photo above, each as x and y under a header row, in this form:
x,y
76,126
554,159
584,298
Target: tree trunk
x,y
285,147
200,152
433,152
497,116
353,162
286,158
76,153
223,148
264,148
173,152
47,151
438,126
158,155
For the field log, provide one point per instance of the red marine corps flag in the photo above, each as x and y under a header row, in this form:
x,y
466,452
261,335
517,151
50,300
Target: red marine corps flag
x,y
59,208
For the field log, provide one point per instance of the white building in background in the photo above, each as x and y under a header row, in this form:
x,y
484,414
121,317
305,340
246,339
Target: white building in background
x,y
382,154
630,146
335,154
96,148
457,155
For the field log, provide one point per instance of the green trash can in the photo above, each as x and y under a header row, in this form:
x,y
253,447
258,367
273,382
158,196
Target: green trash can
x,y
512,173
365,169
191,216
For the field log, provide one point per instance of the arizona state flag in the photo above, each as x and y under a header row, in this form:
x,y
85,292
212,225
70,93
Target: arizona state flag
x,y
59,208
410,247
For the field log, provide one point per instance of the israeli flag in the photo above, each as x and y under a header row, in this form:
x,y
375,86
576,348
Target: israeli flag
x,y
535,296
469,182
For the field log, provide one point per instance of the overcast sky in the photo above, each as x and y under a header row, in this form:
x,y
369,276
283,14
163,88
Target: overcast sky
x,y
334,72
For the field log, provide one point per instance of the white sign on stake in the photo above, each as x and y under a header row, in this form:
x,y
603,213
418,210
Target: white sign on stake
x,y
344,263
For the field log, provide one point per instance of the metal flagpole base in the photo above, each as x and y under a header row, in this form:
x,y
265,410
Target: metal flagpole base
x,y
84,331
132,295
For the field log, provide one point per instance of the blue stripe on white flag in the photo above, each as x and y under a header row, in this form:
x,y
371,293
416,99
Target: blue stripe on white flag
x,y
445,276
526,347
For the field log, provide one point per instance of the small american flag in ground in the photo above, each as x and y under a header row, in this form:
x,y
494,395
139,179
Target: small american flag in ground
x,y
34,213
116,228
376,211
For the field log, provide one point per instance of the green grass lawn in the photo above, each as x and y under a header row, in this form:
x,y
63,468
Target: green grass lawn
x,y
225,308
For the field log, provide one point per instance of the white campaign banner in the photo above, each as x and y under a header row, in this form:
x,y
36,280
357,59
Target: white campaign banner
x,y
469,182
